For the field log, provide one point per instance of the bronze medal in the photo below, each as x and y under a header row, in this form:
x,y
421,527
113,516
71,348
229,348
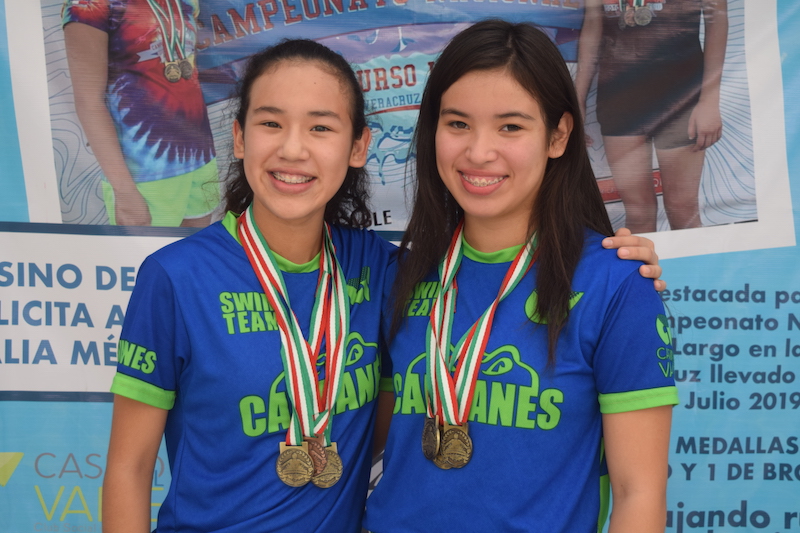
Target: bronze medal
x,y
630,16
294,466
456,445
441,462
187,68
431,438
332,471
172,71
316,450
642,16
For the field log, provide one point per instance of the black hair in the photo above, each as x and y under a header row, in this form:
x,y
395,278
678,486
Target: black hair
x,y
568,201
349,206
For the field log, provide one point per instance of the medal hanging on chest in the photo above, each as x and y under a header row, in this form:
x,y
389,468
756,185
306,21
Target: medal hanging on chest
x,y
445,434
176,63
307,453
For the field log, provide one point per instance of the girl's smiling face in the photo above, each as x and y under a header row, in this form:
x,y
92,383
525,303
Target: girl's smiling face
x,y
492,147
297,141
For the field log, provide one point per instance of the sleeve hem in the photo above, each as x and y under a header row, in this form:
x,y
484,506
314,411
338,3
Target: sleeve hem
x,y
621,402
141,391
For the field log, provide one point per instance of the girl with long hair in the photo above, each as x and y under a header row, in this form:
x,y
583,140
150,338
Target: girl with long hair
x,y
530,367
253,344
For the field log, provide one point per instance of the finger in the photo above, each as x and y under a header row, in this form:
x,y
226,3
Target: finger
x,y
660,285
650,271
623,232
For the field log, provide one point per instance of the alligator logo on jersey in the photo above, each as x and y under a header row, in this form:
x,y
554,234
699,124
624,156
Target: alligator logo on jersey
x,y
251,312
530,305
665,354
359,386
507,392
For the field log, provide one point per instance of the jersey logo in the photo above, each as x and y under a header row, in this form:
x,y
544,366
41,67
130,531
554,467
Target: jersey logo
x,y
358,288
530,305
665,354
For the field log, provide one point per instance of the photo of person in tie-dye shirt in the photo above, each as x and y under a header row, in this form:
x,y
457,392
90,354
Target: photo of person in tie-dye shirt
x,y
138,99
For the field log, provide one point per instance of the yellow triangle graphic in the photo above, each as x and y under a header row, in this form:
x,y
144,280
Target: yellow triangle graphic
x,y
8,463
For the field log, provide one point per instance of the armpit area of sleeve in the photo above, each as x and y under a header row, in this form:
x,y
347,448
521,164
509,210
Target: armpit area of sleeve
x,y
141,391
622,402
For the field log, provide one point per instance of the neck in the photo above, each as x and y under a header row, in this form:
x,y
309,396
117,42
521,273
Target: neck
x,y
489,236
295,241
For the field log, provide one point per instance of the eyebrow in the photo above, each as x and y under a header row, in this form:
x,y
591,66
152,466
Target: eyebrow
x,y
314,113
510,114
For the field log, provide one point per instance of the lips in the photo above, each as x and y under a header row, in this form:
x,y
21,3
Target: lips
x,y
291,179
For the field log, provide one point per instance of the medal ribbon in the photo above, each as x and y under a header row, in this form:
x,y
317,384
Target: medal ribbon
x,y
450,396
171,44
330,315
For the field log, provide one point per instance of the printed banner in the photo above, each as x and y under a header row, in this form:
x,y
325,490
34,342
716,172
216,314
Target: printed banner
x,y
733,298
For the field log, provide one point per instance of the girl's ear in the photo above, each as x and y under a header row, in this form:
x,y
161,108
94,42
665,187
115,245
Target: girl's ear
x,y
360,150
560,137
238,140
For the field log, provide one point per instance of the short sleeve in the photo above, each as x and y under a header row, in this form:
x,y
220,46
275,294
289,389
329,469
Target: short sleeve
x,y
95,13
150,353
633,362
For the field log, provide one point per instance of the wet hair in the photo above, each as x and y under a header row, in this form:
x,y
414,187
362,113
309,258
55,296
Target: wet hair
x,y
349,206
568,201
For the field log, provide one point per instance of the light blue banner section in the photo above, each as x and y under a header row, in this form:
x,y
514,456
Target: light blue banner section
x,y
52,462
13,200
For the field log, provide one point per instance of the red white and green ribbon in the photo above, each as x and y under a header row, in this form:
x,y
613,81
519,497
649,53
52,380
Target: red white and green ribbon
x,y
450,395
171,37
330,316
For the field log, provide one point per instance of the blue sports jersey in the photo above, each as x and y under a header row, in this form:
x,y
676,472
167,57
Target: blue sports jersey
x,y
200,339
537,430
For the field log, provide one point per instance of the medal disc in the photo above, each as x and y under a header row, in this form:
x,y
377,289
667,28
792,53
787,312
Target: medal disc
x,y
172,71
294,466
332,471
431,438
456,445
186,68
630,15
316,450
441,462
642,16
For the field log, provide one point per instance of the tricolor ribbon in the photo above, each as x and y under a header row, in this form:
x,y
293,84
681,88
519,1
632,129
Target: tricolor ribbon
x,y
450,395
330,316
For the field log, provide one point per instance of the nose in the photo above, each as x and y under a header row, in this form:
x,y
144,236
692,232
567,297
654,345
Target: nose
x,y
481,148
293,147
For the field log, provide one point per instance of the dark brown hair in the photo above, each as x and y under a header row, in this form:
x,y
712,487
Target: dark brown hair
x,y
348,206
568,201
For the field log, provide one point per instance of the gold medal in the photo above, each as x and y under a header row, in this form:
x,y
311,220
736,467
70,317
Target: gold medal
x,y
316,450
294,466
172,71
332,471
642,16
630,15
456,445
431,438
187,68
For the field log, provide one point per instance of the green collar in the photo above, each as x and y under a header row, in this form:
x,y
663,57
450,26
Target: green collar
x,y
505,255
230,222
